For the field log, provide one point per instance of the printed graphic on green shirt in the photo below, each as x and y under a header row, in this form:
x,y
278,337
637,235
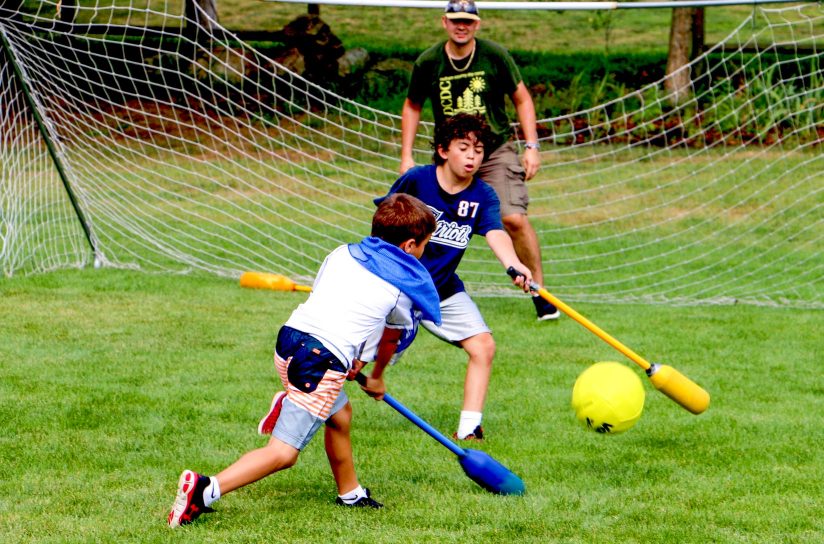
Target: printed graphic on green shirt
x,y
462,93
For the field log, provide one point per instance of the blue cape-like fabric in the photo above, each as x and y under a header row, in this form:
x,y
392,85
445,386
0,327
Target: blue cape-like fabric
x,y
403,271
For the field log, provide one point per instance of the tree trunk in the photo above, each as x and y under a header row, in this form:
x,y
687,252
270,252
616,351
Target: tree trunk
x,y
677,83
697,33
195,21
697,44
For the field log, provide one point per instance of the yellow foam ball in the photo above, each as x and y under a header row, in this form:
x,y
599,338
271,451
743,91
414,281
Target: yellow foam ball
x,y
608,398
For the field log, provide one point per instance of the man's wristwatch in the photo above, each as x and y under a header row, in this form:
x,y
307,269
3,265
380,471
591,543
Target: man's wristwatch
x,y
532,145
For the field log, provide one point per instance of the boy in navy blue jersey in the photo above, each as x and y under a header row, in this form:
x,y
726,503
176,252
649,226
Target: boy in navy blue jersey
x,y
463,206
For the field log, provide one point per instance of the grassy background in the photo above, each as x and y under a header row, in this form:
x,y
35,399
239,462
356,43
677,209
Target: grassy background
x,y
560,31
112,382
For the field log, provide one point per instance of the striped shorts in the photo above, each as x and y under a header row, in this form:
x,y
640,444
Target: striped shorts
x,y
313,379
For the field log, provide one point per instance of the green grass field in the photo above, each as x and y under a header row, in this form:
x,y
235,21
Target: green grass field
x,y
112,382
416,29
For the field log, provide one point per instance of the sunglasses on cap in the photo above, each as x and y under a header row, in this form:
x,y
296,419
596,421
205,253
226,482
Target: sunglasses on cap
x,y
462,9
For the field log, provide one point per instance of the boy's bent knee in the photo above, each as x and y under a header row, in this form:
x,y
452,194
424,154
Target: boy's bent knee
x,y
281,454
515,222
480,347
342,419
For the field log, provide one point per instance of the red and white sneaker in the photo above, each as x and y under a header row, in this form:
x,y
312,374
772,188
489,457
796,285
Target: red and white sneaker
x,y
267,424
189,501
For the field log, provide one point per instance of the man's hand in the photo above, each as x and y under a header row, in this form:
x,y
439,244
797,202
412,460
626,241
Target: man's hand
x,y
531,161
406,164
374,387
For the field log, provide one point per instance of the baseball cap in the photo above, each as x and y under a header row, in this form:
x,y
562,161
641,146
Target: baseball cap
x,y
462,9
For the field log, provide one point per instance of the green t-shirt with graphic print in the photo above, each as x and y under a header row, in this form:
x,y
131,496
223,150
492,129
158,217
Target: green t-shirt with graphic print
x,y
479,89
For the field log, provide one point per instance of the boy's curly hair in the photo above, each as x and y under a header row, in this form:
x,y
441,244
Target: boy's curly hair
x,y
458,127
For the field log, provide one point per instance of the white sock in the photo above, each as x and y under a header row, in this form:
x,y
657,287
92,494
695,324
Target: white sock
x,y
469,420
212,492
353,496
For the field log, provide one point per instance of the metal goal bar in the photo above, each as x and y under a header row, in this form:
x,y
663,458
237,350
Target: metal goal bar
x,y
549,6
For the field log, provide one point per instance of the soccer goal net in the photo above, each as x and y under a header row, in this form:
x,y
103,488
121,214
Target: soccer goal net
x,y
133,138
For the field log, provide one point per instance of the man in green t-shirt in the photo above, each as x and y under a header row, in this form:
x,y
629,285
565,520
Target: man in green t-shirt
x,y
465,74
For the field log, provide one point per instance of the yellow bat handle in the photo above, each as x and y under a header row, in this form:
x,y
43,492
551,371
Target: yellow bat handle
x,y
600,333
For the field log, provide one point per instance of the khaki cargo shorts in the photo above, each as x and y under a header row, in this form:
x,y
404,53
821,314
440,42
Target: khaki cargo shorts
x,y
504,172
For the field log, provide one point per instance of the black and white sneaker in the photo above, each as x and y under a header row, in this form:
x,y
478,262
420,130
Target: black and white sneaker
x,y
545,309
363,502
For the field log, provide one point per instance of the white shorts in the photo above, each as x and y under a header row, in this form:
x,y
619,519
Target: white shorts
x,y
460,318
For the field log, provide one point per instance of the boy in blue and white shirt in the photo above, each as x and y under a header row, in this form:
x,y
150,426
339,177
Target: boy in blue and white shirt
x,y
463,206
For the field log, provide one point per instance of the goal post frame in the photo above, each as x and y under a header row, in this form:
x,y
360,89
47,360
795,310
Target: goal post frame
x,y
50,146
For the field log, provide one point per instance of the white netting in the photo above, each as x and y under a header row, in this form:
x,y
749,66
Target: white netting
x,y
38,228
200,153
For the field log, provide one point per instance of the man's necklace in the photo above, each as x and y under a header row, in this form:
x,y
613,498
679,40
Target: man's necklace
x,y
468,62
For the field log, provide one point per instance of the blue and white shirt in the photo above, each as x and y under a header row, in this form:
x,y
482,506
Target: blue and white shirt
x,y
359,290
475,210
348,304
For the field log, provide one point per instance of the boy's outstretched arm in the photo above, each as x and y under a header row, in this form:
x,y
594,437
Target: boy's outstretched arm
x,y
375,386
501,245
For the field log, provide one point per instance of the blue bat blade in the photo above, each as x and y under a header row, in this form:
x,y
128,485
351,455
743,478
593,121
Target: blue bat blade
x,y
490,474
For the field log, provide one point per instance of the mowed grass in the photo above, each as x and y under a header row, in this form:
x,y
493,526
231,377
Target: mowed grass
x,y
414,29
112,382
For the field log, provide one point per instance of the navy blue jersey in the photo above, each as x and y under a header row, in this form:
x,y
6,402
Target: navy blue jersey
x,y
475,210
